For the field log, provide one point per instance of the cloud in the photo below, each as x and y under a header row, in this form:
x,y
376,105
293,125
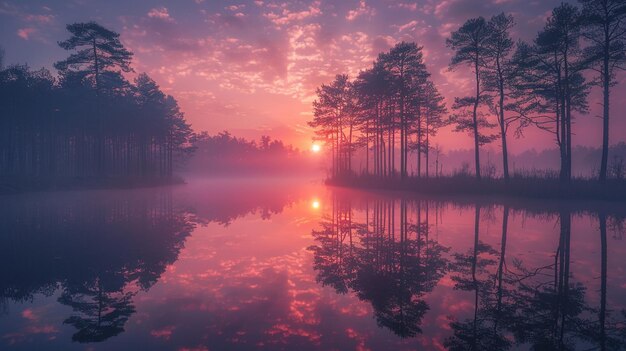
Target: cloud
x,y
404,6
406,26
160,13
362,11
41,19
287,16
235,7
26,33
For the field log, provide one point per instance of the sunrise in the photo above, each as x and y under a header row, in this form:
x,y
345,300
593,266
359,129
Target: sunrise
x,y
312,175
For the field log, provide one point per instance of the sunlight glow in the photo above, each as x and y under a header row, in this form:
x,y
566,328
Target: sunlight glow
x,y
315,204
316,148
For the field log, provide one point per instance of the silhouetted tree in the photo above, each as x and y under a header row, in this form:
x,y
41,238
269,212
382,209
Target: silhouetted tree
x,y
335,119
373,91
386,105
97,50
604,24
408,74
498,49
435,113
548,80
470,43
90,122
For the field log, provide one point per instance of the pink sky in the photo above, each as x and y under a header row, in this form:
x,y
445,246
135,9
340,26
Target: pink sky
x,y
252,66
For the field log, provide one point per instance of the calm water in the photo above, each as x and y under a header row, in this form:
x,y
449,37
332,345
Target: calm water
x,y
236,265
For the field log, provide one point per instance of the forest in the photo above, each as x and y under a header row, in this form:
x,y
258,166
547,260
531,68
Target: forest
x,y
391,113
88,123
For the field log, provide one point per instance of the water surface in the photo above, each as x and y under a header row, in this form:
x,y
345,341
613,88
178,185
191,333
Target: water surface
x,y
237,265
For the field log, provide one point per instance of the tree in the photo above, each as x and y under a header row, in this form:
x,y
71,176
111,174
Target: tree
x,y
333,114
562,32
373,90
470,43
549,85
50,132
98,53
97,50
408,74
498,49
435,112
605,28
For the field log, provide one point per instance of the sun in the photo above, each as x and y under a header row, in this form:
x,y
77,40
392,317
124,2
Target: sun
x,y
315,204
316,148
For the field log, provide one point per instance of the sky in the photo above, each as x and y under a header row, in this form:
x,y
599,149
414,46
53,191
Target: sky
x,y
252,67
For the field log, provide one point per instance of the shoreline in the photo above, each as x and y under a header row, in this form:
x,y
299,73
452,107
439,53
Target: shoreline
x,y
520,188
73,184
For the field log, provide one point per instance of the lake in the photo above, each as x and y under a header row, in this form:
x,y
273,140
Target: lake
x,y
292,264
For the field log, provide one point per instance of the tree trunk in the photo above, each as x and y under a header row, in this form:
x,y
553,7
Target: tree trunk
x,y
606,80
505,155
475,123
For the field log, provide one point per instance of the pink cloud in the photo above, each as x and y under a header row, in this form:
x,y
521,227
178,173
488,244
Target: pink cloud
x,y
160,13
163,333
410,25
287,16
362,11
405,6
25,33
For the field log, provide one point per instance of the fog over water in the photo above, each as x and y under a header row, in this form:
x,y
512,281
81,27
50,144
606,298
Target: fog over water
x,y
292,264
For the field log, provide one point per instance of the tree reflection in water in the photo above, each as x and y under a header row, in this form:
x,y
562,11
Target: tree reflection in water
x,y
382,251
98,251
435,271
387,259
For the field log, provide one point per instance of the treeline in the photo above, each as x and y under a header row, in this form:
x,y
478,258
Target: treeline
x,y
224,153
393,106
89,121
393,103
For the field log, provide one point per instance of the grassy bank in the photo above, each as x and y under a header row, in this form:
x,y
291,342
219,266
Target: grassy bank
x,y
518,186
23,185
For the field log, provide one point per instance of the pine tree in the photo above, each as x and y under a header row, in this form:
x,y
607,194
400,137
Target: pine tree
x,y
605,28
470,45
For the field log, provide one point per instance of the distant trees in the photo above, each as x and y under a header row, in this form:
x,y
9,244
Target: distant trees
x,y
224,153
91,122
391,104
